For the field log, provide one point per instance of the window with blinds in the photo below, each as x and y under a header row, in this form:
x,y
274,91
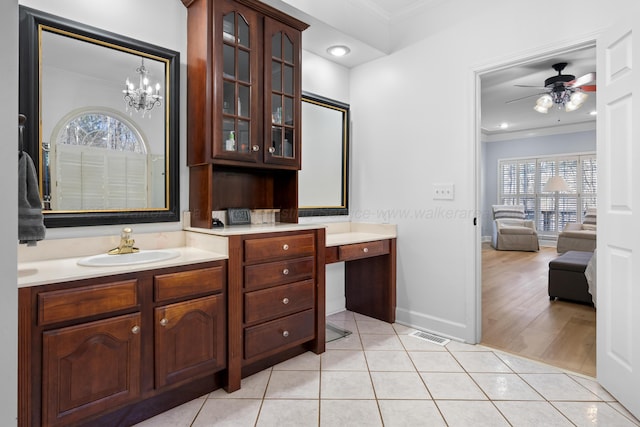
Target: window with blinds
x,y
522,181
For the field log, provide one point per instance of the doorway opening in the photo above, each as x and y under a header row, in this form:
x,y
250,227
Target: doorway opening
x,y
517,315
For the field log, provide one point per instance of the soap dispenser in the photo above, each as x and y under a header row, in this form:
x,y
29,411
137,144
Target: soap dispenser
x,y
230,144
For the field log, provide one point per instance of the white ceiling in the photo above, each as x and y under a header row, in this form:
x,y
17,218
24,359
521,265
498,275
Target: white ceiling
x,y
366,27
498,87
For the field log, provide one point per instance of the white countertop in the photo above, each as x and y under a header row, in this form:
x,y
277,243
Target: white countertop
x,y
44,265
64,269
346,233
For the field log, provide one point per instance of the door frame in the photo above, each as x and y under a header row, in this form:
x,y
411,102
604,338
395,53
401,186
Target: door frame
x,y
525,57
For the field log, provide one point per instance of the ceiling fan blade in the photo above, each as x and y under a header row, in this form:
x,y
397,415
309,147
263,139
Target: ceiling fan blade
x,y
537,87
588,88
525,97
581,81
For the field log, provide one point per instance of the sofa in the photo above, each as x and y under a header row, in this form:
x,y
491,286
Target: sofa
x,y
511,231
579,237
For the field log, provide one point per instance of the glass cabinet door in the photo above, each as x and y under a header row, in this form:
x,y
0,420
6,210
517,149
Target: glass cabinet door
x,y
235,138
282,95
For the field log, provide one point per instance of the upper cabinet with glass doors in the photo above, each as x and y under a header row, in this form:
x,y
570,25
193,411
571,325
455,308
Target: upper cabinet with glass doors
x,y
238,114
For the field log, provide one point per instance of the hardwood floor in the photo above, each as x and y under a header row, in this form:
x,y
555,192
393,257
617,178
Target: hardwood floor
x,y
519,318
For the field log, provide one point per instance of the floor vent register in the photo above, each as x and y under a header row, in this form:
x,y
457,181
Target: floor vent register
x,y
430,338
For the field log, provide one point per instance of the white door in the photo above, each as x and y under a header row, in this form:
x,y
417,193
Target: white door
x,y
618,254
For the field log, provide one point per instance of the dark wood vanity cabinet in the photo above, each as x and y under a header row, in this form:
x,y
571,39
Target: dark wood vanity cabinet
x,y
276,299
244,108
115,350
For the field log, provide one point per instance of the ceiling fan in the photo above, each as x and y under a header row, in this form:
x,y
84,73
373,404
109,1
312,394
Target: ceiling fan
x,y
562,90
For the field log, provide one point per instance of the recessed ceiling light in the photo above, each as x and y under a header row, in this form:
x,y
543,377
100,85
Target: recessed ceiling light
x,y
504,125
593,113
338,50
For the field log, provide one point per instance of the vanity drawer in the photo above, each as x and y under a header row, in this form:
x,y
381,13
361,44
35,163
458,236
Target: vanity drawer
x,y
279,301
363,250
269,248
277,273
76,303
188,283
279,334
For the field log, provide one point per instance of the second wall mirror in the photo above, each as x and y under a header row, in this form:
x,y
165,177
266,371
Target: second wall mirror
x,y
323,181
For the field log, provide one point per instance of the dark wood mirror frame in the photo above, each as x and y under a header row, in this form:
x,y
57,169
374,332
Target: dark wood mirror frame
x,y
329,209
30,22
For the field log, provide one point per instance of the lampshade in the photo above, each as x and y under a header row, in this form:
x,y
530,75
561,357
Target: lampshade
x,y
556,183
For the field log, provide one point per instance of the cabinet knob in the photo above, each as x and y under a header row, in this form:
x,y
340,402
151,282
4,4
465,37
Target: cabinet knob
x,y
285,271
272,150
256,148
164,321
285,247
285,334
135,330
285,300
365,250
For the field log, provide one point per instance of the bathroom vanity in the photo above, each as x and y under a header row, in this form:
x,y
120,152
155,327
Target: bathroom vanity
x,y
114,345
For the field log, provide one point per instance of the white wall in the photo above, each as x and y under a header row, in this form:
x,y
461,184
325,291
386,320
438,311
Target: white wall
x,y
414,125
9,211
579,142
165,25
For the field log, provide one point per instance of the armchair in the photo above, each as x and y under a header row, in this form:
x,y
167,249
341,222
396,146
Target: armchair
x,y
511,231
579,237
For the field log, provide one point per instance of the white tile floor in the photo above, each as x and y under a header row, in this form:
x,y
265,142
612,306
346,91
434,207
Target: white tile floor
x,y
379,375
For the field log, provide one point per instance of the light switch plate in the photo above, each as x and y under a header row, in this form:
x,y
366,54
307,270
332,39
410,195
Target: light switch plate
x,y
443,191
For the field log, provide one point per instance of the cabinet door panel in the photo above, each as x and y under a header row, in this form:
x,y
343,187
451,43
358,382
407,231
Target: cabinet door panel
x,y
189,339
236,106
90,368
282,94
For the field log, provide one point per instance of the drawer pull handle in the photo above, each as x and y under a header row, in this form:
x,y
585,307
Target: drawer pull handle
x,y
135,330
365,250
285,271
164,321
285,247
285,334
285,301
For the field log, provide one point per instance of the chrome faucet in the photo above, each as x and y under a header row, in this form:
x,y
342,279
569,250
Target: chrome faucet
x,y
126,243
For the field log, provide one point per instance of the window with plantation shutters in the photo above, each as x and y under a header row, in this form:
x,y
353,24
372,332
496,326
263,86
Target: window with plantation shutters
x,y
522,181
101,163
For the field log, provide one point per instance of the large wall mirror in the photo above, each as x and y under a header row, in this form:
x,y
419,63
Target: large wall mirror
x,y
323,181
102,122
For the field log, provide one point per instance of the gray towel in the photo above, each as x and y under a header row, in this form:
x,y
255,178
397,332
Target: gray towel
x,y
30,219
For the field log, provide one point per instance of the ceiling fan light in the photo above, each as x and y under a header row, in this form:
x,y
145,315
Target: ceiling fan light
x,y
541,109
570,106
545,102
578,98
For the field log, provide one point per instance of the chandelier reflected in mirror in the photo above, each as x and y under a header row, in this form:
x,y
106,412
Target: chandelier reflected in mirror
x,y
144,97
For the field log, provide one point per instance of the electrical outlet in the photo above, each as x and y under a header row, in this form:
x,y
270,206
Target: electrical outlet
x,y
443,191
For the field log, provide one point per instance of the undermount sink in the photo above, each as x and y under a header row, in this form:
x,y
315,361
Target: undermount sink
x,y
142,257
